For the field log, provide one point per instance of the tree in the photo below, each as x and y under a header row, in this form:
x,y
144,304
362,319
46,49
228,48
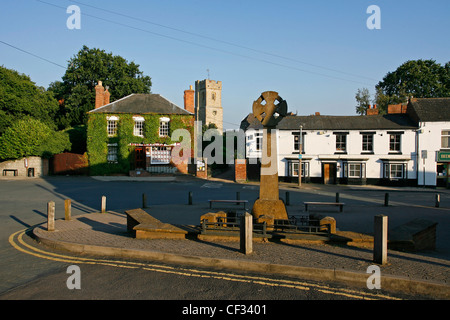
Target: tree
x,y
30,137
418,78
76,91
363,101
20,97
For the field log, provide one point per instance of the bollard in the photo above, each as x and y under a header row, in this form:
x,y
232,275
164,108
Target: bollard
x,y
144,201
103,204
386,199
238,197
68,209
380,239
246,233
190,198
438,200
337,197
51,216
287,198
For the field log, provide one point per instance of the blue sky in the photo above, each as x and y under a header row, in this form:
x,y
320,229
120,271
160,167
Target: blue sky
x,y
316,54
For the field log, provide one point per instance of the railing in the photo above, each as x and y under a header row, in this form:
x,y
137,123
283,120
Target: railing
x,y
295,224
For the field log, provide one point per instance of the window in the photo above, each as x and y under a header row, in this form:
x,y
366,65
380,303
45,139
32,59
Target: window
x,y
395,142
138,129
395,171
160,155
341,142
354,170
445,139
112,153
367,142
293,168
297,142
112,125
164,127
259,139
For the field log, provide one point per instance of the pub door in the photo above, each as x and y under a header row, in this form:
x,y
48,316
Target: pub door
x,y
329,173
139,158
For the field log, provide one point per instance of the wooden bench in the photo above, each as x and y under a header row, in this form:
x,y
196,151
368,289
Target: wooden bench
x,y
340,204
228,201
10,170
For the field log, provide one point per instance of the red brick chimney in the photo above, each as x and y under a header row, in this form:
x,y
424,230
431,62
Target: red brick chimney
x,y
372,111
99,95
189,104
106,96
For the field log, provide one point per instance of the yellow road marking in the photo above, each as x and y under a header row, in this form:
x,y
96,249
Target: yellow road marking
x,y
299,285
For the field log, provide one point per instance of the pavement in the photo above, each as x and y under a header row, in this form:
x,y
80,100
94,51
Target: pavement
x,y
105,234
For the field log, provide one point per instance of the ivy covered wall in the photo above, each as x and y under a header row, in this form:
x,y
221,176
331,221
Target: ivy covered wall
x,y
98,140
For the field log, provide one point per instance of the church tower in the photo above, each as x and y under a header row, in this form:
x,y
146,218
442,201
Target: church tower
x,y
208,102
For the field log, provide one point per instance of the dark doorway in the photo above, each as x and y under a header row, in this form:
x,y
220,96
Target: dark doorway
x,y
139,153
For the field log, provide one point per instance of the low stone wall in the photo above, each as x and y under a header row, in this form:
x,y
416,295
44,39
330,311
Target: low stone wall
x,y
416,235
26,167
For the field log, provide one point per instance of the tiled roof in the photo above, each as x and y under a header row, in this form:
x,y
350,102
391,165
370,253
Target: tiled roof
x,y
142,104
323,122
429,109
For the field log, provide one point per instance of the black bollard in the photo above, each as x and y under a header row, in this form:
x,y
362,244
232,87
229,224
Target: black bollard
x,y
438,200
287,198
190,198
337,197
144,201
386,199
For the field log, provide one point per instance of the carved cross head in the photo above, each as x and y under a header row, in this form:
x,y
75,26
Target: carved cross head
x,y
272,111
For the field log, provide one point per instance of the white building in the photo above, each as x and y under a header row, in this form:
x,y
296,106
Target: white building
x,y
371,149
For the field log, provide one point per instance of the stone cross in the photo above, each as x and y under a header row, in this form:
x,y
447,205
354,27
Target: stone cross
x,y
269,109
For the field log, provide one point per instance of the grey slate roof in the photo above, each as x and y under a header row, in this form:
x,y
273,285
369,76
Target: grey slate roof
x,y
429,109
142,104
323,122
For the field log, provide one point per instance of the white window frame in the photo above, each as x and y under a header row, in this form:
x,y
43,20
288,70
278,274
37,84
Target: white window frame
x,y
396,142
164,127
293,168
112,124
348,170
258,141
160,155
445,136
387,170
138,129
113,152
341,144
368,142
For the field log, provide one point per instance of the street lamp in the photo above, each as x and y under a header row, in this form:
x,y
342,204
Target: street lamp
x,y
300,147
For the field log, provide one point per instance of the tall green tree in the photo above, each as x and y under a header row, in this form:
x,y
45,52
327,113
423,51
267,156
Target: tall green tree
x,y
85,69
418,78
30,137
20,97
362,101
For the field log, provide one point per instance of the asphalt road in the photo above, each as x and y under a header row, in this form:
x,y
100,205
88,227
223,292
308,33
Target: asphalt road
x,y
23,204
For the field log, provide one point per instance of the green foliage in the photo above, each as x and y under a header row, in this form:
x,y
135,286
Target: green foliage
x,y
20,97
31,137
363,101
98,140
418,78
84,70
78,136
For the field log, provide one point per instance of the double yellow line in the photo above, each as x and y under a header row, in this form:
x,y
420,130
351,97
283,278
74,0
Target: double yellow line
x,y
16,240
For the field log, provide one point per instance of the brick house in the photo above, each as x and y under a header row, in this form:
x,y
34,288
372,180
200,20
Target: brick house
x,y
133,134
